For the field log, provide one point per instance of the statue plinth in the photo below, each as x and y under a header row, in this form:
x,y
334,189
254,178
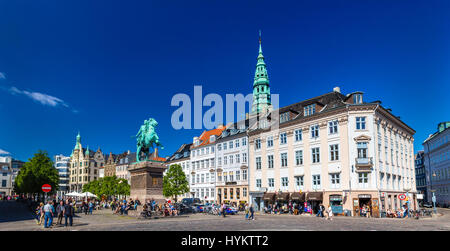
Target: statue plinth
x,y
147,180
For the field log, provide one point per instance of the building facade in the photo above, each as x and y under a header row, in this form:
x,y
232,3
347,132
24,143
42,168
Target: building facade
x,y
421,177
437,164
333,150
123,162
203,171
232,166
62,164
9,169
182,157
84,166
110,165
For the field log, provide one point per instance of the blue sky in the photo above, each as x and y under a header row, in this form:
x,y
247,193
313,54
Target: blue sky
x,y
102,67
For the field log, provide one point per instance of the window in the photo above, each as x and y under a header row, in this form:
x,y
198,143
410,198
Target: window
x,y
207,177
333,127
363,180
284,182
230,144
258,163
244,141
244,157
219,147
362,149
315,154
219,161
335,180
299,157
314,131
270,141
334,152
225,160
258,144
231,159
236,143
238,175
270,161
283,159
309,110
299,182
244,192
238,158
244,174
284,117
225,176
258,182
316,182
298,135
283,138
224,146
231,174
360,123
357,98
271,182
219,177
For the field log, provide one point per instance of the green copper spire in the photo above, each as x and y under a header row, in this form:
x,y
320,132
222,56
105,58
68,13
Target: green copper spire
x,y
78,144
261,88
87,151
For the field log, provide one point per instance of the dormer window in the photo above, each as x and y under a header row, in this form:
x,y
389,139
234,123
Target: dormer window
x,y
357,98
309,110
212,138
284,117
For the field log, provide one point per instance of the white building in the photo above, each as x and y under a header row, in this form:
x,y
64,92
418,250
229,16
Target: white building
x,y
62,164
232,166
203,161
182,157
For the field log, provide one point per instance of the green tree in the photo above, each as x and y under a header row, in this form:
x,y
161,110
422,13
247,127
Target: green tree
x,y
38,171
108,186
175,182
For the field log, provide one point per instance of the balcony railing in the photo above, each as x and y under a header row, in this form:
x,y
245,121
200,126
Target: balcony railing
x,y
364,164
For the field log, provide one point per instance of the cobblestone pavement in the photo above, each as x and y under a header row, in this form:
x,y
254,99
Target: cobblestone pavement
x,y
13,216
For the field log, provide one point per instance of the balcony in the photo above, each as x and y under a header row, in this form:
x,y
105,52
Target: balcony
x,y
364,164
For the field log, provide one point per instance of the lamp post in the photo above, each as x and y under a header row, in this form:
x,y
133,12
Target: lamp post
x,y
433,198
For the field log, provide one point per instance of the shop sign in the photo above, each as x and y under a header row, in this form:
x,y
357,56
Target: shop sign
x,y
420,196
383,194
402,197
364,196
335,198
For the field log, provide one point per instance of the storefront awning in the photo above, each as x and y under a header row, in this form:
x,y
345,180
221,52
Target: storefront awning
x,y
268,196
314,196
282,196
298,196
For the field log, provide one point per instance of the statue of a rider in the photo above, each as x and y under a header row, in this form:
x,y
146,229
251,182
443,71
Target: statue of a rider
x,y
145,138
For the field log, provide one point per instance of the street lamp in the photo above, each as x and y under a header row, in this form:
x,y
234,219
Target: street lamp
x,y
433,198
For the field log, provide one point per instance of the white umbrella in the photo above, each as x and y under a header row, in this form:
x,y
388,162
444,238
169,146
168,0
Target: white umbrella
x,y
88,194
75,194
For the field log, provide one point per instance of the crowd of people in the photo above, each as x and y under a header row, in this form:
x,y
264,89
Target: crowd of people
x,y
46,213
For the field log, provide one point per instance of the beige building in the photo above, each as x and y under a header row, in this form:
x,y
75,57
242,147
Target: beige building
x,y
84,166
110,165
335,150
123,162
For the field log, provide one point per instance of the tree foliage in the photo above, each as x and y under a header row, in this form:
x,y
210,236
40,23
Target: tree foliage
x,y
175,182
38,171
108,186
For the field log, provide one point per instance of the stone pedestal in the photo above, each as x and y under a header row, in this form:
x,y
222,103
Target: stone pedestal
x,y
147,180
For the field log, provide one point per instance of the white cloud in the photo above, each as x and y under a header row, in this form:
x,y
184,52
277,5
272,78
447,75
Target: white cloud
x,y
3,152
2,75
40,97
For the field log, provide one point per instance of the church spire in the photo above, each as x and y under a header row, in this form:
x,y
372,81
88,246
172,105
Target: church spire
x,y
78,143
261,88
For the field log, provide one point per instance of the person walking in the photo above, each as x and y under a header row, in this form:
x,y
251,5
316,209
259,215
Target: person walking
x,y
91,207
59,211
246,211
223,210
330,213
68,213
252,211
48,215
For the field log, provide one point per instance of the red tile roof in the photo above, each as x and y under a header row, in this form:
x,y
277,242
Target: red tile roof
x,y
205,136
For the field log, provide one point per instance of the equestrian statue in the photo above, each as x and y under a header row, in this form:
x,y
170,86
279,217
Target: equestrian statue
x,y
146,139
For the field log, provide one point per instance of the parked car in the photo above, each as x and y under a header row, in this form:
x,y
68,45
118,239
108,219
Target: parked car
x,y
231,210
185,209
427,205
200,207
191,201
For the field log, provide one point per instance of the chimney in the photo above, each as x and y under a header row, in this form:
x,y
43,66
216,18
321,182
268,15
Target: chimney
x,y
337,89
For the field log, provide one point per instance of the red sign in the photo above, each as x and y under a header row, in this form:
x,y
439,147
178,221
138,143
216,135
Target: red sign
x,y
402,196
46,188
